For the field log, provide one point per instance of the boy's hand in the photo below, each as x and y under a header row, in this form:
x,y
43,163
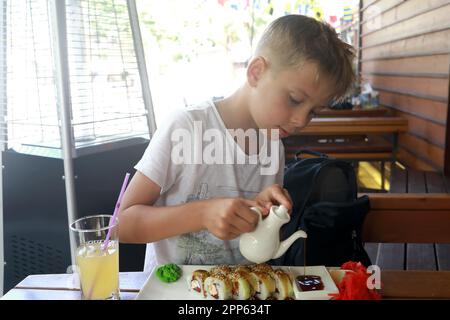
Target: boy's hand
x,y
274,195
230,217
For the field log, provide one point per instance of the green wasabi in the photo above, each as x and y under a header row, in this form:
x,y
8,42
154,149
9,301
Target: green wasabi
x,y
169,272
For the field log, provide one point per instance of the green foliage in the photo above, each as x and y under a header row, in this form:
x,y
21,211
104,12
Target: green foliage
x,y
182,30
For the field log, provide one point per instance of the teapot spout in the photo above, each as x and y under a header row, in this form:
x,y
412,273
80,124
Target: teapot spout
x,y
288,242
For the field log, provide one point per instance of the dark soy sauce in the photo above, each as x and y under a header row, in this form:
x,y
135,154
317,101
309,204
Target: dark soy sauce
x,y
309,283
306,282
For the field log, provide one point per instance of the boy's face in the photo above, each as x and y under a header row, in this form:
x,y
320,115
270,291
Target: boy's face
x,y
288,99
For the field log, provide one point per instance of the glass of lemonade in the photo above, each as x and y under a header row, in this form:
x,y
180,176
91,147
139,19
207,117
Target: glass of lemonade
x,y
97,263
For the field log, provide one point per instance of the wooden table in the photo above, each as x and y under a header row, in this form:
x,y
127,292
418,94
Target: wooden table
x,y
358,126
416,284
396,285
350,138
61,287
355,112
355,126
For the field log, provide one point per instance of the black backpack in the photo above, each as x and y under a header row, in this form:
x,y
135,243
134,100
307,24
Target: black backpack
x,y
326,206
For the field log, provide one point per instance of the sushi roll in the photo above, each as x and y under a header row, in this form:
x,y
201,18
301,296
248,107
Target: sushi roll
x,y
222,269
219,287
243,269
265,285
196,281
283,285
262,267
241,288
246,272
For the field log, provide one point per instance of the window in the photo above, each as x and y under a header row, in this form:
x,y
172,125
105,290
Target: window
x,y
2,76
31,114
106,97
106,91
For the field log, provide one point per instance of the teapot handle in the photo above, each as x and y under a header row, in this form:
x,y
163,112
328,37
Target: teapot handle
x,y
258,212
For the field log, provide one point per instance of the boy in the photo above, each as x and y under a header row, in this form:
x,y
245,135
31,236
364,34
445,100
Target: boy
x,y
193,212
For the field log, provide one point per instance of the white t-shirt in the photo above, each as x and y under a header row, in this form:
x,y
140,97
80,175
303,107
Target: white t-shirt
x,y
184,182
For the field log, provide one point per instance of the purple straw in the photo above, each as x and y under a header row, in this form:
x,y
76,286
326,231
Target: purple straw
x,y
116,210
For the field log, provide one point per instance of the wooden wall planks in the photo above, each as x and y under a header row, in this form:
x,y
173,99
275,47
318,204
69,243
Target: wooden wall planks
x,y
405,54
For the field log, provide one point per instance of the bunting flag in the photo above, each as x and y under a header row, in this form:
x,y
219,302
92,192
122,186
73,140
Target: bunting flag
x,y
348,14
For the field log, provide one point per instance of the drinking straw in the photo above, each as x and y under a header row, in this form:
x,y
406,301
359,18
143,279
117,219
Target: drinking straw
x,y
116,210
111,222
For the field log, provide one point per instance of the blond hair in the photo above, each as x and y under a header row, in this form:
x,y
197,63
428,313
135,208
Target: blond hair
x,y
292,40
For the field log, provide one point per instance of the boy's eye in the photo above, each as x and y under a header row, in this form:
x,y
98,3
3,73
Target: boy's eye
x,y
293,101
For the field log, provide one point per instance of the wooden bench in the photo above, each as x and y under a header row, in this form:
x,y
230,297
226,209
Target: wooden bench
x,y
370,148
350,138
355,112
349,148
355,126
410,230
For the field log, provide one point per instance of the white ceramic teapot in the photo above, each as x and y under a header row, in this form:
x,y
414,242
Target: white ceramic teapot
x,y
264,243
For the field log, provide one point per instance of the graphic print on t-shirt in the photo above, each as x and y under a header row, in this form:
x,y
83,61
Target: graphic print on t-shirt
x,y
204,248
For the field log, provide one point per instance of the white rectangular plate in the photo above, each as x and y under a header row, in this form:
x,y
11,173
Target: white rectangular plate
x,y
155,289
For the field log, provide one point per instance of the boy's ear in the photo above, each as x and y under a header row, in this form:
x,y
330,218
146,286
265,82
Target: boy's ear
x,y
255,70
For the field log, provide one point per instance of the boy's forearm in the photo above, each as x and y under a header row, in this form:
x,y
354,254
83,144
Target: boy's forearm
x,y
144,224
